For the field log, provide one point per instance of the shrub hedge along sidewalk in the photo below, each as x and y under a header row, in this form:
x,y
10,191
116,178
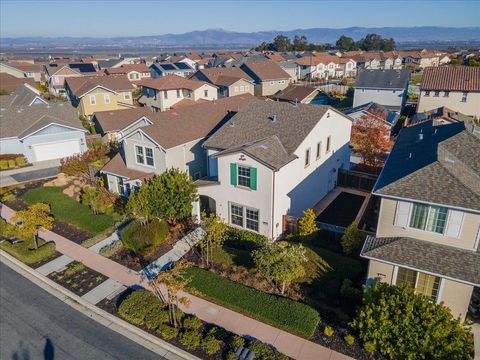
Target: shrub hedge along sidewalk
x,y
286,314
65,208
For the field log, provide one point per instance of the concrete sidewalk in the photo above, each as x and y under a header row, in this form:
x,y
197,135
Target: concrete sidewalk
x,y
291,345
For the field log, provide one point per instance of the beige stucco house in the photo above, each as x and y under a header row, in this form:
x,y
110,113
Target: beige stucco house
x,y
428,230
457,88
231,81
269,77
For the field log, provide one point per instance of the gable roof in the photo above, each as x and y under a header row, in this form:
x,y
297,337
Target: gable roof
x,y
373,109
175,127
120,119
166,67
171,82
451,78
79,86
270,130
10,82
383,79
266,70
441,260
20,117
222,76
127,68
416,170
296,93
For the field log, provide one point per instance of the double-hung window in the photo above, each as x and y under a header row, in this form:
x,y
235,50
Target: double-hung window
x,y
252,219
205,93
165,94
446,94
93,100
106,99
422,283
244,176
244,217
428,218
139,154
149,156
236,213
126,96
178,93
144,155
464,96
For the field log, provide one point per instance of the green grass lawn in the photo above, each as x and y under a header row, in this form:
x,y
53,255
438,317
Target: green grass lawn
x,y
232,256
26,253
286,314
66,209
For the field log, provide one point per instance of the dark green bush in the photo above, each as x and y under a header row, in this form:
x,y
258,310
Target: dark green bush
x,y
243,239
167,332
278,311
191,339
264,352
349,293
141,239
192,323
156,317
211,345
138,305
218,333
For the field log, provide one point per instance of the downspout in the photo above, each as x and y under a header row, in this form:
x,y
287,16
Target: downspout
x,y
273,202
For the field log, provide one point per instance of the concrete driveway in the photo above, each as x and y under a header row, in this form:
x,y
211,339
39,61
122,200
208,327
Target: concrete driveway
x,y
40,170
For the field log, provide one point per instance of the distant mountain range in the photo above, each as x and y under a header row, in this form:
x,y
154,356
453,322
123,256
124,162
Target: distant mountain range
x,y
217,37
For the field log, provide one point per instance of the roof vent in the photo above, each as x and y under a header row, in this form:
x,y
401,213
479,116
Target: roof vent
x,y
232,124
274,118
410,155
420,136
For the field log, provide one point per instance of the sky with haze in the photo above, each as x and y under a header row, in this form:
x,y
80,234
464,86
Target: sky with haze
x,y
134,17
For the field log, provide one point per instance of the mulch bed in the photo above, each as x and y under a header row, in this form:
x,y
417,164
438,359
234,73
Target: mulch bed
x,y
78,278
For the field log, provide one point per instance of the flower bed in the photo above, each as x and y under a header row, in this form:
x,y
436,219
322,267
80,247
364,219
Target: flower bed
x,y
78,278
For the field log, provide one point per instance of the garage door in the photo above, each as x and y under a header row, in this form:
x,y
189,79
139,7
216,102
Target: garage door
x,y
56,150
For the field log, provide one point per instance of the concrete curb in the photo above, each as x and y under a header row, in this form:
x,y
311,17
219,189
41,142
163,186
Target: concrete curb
x,y
114,323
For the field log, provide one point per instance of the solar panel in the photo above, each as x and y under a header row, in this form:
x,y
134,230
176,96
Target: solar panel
x,y
182,66
168,67
83,68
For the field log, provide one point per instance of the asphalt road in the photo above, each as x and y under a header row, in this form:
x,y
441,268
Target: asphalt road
x,y
36,325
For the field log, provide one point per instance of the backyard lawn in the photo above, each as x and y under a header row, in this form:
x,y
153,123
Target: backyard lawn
x,y
281,312
343,210
67,209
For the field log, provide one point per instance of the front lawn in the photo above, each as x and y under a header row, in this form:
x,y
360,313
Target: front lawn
x,y
25,252
65,208
281,312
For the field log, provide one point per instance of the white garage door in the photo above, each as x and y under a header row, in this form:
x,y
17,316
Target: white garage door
x,y
56,150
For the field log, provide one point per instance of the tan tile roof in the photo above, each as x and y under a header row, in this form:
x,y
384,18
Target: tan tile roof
x,y
171,82
267,70
83,84
126,68
318,59
459,78
179,126
119,119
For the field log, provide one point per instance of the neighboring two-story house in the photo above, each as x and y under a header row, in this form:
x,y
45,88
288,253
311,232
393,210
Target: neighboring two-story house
x,y
22,70
230,81
456,87
134,72
385,87
169,91
269,77
173,139
273,159
99,93
164,69
56,74
428,230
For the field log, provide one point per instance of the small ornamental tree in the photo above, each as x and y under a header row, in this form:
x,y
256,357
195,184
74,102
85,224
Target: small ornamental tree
x,y
371,138
85,165
403,325
138,204
215,234
171,195
282,263
307,224
352,239
30,219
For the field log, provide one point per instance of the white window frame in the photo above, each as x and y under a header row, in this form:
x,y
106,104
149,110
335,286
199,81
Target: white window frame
x,y
235,89
272,82
126,96
249,176
246,87
328,145
307,157
410,214
440,282
106,99
242,88
319,150
93,100
205,92
243,216
464,96
144,155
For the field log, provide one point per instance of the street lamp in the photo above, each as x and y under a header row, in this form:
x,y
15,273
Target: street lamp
x,y
35,237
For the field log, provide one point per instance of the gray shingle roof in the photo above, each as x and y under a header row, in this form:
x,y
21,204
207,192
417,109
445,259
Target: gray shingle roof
x,y
447,261
18,118
415,171
268,130
383,79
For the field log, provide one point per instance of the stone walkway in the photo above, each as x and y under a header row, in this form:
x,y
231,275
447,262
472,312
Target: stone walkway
x,y
58,265
108,289
291,345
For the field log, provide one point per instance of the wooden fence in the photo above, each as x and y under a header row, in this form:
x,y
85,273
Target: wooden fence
x,y
355,179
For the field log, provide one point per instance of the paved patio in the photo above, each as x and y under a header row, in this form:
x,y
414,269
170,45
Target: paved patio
x,y
291,345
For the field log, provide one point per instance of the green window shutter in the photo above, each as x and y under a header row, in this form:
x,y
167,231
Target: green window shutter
x,y
233,174
253,178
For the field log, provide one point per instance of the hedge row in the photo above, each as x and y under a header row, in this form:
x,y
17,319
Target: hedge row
x,y
19,161
289,315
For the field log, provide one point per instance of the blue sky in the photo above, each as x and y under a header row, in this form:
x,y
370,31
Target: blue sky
x,y
131,17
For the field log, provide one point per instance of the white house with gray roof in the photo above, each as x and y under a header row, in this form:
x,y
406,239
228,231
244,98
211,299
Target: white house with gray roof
x,y
38,129
428,231
273,159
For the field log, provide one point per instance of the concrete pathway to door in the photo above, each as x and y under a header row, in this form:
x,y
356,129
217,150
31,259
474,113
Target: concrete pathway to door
x,y
291,345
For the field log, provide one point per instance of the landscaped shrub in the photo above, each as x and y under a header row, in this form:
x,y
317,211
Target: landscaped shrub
x,y
156,317
278,311
350,340
328,331
236,342
99,199
3,164
264,352
137,305
307,224
192,323
370,347
403,325
141,239
21,161
11,164
211,345
191,339
243,239
218,333
349,293
167,332
231,356
352,240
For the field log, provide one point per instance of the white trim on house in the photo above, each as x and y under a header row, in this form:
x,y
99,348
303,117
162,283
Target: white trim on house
x,y
124,138
101,87
38,98
134,123
46,126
